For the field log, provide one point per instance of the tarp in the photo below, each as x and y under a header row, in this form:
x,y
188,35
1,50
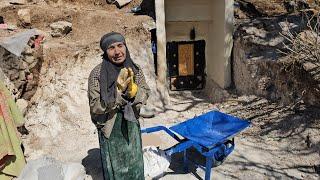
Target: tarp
x,y
211,128
155,161
11,156
16,43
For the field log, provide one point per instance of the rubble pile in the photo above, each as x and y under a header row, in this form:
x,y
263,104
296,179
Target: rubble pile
x,y
259,61
22,71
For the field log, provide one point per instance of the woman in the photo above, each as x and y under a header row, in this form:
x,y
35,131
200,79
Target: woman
x,y
117,89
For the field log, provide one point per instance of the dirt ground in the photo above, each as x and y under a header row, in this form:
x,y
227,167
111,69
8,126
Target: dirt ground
x,y
283,142
279,144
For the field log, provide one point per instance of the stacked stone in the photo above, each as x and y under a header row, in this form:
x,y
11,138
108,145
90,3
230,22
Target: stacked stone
x,y
22,71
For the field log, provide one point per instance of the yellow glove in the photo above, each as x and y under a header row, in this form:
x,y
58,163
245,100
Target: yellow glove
x,y
123,80
132,86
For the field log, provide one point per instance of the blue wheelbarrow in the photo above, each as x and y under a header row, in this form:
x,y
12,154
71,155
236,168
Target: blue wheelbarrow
x,y
211,134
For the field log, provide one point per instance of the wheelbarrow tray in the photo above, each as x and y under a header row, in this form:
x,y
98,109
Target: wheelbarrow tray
x,y
209,133
211,128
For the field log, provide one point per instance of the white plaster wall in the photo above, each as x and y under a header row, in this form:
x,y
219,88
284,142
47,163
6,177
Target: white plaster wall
x,y
188,10
213,22
228,40
162,85
180,31
220,43
216,60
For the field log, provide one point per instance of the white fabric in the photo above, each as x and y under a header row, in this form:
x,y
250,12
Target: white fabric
x,y
156,162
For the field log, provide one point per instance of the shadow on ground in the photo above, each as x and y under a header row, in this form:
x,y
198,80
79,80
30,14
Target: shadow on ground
x,y
92,164
194,158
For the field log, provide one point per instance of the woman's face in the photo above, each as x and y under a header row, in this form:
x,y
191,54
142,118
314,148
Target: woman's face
x,y
117,52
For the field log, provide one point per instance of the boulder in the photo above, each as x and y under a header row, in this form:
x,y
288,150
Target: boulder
x,y
60,28
18,2
29,59
22,105
24,16
147,112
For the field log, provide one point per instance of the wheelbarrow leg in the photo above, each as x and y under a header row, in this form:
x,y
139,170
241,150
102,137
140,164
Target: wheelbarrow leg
x,y
185,161
209,162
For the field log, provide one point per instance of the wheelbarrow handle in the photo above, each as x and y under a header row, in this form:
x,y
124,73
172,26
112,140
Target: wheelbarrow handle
x,y
159,128
183,146
153,129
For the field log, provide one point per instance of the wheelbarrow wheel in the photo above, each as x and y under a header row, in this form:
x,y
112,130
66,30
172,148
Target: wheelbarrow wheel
x,y
218,162
220,157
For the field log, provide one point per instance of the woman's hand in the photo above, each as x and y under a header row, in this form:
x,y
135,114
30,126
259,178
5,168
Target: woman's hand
x,y
123,80
132,86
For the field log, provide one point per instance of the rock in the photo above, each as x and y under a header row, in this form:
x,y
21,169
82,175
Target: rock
x,y
146,112
60,28
33,64
238,13
29,59
149,25
13,75
30,77
18,2
24,16
308,36
264,83
31,86
22,105
121,3
290,6
308,66
23,66
22,76
12,27
256,31
27,51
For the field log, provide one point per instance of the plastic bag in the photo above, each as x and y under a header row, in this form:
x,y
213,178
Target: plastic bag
x,y
16,44
156,162
46,168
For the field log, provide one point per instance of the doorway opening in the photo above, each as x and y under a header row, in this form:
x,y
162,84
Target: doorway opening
x,y
186,64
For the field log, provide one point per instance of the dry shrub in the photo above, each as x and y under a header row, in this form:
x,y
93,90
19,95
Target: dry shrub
x,y
305,46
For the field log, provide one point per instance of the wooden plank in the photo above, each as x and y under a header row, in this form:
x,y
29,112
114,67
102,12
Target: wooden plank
x,y
186,59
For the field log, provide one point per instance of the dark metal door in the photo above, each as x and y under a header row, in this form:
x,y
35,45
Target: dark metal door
x,y
186,64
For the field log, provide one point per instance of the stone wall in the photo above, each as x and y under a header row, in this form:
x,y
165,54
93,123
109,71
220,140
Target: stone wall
x,y
259,66
21,74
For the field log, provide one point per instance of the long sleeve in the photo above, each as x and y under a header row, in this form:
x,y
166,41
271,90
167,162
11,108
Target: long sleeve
x,y
98,109
143,91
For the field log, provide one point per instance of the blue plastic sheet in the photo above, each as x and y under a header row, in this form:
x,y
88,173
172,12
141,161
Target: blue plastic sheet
x,y
211,128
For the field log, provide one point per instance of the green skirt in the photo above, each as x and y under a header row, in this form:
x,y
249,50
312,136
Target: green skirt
x,y
121,153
